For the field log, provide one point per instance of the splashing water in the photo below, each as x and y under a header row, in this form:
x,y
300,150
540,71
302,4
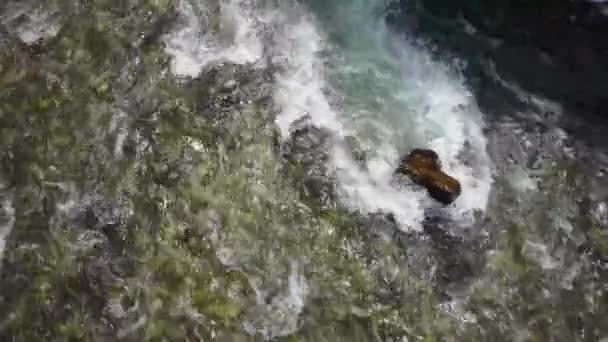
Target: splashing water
x,y
157,206
391,96
7,221
192,46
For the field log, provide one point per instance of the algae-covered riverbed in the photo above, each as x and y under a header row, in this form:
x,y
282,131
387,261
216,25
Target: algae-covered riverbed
x,y
223,170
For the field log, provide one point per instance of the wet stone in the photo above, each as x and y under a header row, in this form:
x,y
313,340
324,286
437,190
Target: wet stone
x,y
32,24
424,168
306,153
358,153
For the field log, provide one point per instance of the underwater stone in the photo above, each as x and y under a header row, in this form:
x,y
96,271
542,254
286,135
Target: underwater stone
x,y
31,23
307,152
230,85
358,153
424,168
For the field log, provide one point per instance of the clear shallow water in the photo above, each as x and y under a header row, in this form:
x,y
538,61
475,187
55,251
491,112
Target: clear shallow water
x,y
342,66
167,215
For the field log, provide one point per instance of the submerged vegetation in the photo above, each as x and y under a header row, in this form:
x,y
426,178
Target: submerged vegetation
x,y
147,207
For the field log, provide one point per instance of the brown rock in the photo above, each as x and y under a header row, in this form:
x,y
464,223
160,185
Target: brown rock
x,y
424,168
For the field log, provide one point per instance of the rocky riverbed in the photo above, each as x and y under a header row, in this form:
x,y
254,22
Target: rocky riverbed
x,y
204,170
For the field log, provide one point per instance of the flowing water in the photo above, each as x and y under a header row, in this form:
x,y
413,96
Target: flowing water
x,y
351,75
143,197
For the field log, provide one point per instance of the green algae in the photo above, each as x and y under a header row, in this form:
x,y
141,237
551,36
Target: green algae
x,y
204,214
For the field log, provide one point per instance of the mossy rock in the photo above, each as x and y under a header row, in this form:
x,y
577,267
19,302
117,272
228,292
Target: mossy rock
x,y
424,168
599,240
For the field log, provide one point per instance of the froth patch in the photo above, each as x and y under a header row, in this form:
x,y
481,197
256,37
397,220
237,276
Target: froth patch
x,y
197,42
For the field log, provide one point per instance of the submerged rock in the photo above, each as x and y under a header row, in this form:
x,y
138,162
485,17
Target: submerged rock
x,y
306,153
424,168
357,151
455,256
31,22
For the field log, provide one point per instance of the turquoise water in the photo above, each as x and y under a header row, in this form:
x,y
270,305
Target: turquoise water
x,y
390,92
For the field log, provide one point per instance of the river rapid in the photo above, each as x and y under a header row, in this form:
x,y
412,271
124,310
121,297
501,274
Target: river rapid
x,y
223,170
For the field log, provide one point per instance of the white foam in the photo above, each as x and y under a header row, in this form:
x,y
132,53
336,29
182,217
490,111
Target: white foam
x,y
279,316
373,191
7,216
446,119
300,88
31,24
539,253
301,91
298,289
600,213
427,94
186,44
192,46
454,129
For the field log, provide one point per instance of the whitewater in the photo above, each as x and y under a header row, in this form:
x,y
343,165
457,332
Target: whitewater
x,y
341,66
162,179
